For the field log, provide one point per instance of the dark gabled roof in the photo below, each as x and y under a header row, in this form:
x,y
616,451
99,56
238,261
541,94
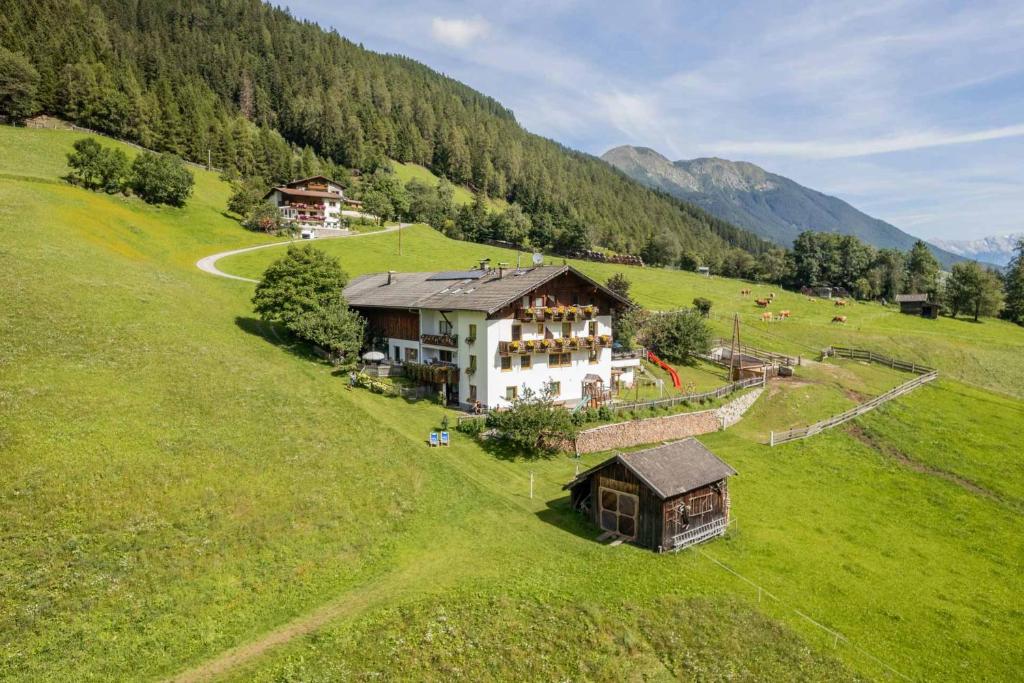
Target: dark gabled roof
x,y
669,469
911,298
315,177
487,292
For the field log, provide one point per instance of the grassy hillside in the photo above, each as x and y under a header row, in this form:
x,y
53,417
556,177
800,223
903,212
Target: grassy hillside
x,y
985,354
176,481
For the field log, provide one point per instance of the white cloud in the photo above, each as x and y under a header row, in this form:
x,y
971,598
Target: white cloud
x,y
824,149
458,32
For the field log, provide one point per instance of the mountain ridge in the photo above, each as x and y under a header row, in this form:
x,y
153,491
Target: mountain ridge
x,y
770,205
997,249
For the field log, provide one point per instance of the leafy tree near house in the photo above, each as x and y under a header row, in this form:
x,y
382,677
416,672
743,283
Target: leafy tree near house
x,y
973,290
161,179
619,284
305,279
246,195
678,335
19,83
1014,285
263,217
303,291
533,424
703,306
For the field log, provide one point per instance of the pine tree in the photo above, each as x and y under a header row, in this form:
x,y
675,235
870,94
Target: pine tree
x,y
1014,285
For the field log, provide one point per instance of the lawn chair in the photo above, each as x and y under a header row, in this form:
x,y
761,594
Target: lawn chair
x,y
444,439
433,439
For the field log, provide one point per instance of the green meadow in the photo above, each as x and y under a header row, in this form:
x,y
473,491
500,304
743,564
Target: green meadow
x,y
177,480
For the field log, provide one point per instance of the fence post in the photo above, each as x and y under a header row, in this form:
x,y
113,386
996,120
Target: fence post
x,y
771,440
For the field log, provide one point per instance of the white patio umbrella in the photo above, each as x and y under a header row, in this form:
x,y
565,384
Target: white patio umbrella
x,y
373,356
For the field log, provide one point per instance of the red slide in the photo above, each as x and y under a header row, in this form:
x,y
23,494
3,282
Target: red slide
x,y
671,370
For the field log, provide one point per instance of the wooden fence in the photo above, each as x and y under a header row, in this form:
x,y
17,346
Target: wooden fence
x,y
767,356
924,374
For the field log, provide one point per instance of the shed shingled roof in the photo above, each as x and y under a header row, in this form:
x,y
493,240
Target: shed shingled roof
x,y
669,469
487,293
911,298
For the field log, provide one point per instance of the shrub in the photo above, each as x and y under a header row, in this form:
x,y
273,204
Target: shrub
x,y
534,424
161,179
471,427
677,335
604,413
96,167
703,306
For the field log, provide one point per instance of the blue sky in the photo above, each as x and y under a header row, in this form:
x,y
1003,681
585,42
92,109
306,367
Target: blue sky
x,y
911,111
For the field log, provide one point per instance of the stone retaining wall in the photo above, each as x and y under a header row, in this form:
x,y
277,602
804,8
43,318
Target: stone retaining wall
x,y
667,428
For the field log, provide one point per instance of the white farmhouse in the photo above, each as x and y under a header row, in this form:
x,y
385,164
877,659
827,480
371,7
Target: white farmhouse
x,y
485,334
313,203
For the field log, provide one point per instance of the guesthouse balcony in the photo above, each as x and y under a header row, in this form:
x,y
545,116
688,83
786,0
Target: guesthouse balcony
x,y
450,341
528,346
566,313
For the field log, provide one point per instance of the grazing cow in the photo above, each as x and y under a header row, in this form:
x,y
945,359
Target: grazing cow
x,y
839,319
763,303
771,295
767,316
783,314
744,292
840,302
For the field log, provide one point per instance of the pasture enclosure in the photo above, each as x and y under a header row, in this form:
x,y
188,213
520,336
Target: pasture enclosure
x,y
924,374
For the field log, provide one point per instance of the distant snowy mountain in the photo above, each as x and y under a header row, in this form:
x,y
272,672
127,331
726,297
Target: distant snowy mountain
x,y
997,249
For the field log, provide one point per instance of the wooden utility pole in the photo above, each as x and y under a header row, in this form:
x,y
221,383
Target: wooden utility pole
x,y
399,238
734,350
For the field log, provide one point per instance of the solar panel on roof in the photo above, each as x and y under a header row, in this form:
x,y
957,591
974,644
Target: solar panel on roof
x,y
458,275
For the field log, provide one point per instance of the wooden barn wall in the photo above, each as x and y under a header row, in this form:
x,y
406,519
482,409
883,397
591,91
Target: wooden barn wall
x,y
649,520
396,323
718,509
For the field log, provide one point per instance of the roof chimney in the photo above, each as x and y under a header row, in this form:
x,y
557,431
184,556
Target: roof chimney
x,y
501,270
391,274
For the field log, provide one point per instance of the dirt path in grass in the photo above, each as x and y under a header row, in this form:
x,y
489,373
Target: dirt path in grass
x,y
208,264
862,435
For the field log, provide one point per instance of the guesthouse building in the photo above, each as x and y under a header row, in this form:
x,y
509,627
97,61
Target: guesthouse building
x,y
315,203
485,335
663,498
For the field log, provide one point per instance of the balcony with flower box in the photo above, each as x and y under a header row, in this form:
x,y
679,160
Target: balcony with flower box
x,y
450,341
528,346
560,313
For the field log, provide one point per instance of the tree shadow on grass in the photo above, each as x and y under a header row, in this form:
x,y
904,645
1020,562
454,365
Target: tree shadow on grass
x,y
277,336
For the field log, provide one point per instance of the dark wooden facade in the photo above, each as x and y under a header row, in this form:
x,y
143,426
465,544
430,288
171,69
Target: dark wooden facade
x,y
393,323
925,309
566,290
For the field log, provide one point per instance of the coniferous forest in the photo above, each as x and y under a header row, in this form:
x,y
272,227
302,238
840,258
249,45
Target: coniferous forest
x,y
262,94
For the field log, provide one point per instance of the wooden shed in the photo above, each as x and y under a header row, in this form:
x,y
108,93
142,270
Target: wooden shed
x,y
664,498
918,304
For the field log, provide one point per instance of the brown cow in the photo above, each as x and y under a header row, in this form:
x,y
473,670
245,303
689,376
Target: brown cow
x,y
763,303
839,319
840,302
766,316
744,292
783,314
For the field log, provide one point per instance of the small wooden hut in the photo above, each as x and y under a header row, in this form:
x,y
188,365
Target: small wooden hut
x,y
918,304
664,498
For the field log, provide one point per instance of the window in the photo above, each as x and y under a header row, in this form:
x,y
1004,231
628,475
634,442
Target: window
x,y
411,354
595,356
555,388
445,356
472,331
539,302
525,363
701,504
472,393
566,329
592,328
444,327
540,329
398,353
511,393
557,360
618,511
575,299
506,363
517,332
472,363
